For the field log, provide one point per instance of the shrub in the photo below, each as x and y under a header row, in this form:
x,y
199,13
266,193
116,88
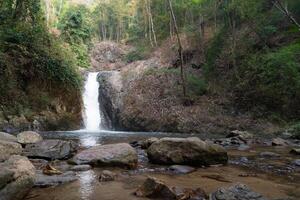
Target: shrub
x,y
295,131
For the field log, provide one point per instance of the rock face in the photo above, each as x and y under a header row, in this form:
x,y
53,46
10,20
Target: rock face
x,y
9,148
110,98
154,188
122,155
29,137
16,178
7,137
189,151
50,149
237,192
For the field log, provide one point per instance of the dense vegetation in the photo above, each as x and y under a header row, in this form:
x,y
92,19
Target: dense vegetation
x,y
249,49
35,66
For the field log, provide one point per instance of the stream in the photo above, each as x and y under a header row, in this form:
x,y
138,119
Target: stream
x,y
273,177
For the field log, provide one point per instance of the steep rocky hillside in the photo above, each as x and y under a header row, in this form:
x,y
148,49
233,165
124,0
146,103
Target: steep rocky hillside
x,y
149,98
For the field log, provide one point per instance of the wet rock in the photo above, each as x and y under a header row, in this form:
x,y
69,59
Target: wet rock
x,y
154,188
296,162
39,163
269,155
29,137
81,168
295,151
111,98
107,176
43,180
50,149
147,143
279,142
20,182
135,144
9,148
6,176
242,135
186,151
7,137
122,155
181,169
236,192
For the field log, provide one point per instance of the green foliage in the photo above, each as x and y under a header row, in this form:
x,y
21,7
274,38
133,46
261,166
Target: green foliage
x,y
196,85
295,131
272,80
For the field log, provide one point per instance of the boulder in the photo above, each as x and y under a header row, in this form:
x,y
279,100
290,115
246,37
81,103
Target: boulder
x,y
107,176
186,151
29,137
43,180
295,151
9,148
19,175
7,137
236,192
279,142
147,143
50,149
122,155
296,162
154,188
242,135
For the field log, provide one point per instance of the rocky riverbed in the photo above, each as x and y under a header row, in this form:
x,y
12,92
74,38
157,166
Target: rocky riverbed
x,y
122,165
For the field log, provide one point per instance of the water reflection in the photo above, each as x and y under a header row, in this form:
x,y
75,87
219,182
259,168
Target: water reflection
x,y
87,181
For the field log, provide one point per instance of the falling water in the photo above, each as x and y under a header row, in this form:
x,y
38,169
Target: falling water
x,y
92,119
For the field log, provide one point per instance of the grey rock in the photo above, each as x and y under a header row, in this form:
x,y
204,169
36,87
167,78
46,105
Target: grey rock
x,y
269,155
186,151
181,169
147,143
296,162
80,168
243,135
29,137
23,178
156,189
279,142
236,192
6,176
50,149
43,180
107,176
295,151
7,137
122,155
9,148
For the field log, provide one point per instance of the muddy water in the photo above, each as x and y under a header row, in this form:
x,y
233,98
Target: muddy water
x,y
275,178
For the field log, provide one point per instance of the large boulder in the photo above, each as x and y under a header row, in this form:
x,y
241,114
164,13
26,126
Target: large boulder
x,y
236,192
50,149
29,137
186,151
9,148
122,155
7,137
16,178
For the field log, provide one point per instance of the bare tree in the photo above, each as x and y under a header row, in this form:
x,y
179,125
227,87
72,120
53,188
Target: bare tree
x,y
283,7
180,49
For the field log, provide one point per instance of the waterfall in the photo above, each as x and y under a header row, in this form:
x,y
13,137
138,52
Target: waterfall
x,y
91,115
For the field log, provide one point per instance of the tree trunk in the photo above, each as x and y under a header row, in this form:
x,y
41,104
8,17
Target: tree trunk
x,y
180,49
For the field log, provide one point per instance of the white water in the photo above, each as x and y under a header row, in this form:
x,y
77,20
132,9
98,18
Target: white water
x,y
91,115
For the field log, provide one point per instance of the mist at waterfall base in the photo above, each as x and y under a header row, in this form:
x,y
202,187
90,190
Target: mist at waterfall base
x,y
91,113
